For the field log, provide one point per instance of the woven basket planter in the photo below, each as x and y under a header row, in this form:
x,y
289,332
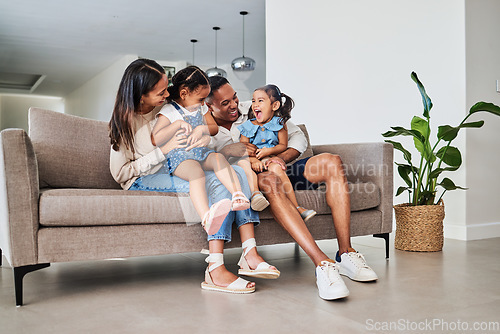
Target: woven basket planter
x,y
419,228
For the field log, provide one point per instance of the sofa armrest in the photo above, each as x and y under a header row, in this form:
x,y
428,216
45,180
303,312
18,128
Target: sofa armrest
x,y
368,162
19,193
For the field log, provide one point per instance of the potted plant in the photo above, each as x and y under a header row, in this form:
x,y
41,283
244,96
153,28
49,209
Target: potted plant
x,y
419,223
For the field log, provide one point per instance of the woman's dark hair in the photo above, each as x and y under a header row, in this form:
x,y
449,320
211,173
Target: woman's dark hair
x,y
190,77
139,78
286,103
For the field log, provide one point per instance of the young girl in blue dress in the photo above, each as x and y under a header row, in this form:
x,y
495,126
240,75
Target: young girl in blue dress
x,y
186,116
267,130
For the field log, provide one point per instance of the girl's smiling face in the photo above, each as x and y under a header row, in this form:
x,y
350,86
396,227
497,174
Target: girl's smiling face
x,y
262,106
194,99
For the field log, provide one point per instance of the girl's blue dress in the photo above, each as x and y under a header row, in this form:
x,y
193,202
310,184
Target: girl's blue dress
x,y
262,135
178,155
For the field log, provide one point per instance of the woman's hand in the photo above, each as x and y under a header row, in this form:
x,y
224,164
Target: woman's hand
x,y
202,142
179,140
197,134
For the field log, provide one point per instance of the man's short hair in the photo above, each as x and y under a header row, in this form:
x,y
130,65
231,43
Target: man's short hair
x,y
216,82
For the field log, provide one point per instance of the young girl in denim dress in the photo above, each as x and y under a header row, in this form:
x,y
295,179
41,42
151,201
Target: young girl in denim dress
x,y
183,117
267,130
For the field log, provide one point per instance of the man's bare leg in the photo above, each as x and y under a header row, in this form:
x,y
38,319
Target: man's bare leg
x,y
328,168
286,214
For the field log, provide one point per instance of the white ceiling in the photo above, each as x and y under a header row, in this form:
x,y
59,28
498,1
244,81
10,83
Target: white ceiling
x,y
72,41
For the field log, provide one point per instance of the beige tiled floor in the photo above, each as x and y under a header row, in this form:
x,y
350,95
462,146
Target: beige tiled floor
x,y
456,287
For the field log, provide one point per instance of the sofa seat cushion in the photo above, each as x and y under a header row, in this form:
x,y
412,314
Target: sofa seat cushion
x,y
364,196
94,207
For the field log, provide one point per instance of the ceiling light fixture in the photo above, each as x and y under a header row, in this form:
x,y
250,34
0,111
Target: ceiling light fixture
x,y
214,70
243,63
193,41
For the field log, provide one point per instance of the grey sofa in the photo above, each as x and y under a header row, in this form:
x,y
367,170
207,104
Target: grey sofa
x,y
59,203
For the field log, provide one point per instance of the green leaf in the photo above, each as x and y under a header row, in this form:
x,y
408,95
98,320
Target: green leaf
x,y
450,156
425,98
436,172
404,171
421,125
477,124
401,190
447,132
400,131
485,106
449,185
399,147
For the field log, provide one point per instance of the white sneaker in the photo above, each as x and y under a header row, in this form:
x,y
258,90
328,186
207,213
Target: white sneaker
x,y
353,265
330,284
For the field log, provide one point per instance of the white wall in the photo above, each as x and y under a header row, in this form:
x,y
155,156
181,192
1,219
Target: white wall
x,y
347,64
95,99
483,150
14,108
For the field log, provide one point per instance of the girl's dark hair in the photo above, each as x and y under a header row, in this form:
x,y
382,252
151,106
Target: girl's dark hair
x,y
139,78
286,102
190,77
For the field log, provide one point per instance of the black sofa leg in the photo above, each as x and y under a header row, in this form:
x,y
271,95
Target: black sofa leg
x,y
19,273
384,236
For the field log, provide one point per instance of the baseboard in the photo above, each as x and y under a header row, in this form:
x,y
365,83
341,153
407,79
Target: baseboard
x,y
472,232
483,231
457,232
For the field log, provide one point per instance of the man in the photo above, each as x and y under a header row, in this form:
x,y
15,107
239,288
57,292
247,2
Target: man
x,y
307,173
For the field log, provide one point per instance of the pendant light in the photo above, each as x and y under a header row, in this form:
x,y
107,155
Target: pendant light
x,y
243,63
215,70
193,41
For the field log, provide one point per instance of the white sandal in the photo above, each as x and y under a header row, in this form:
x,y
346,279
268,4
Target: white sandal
x,y
213,219
263,270
239,286
258,202
244,202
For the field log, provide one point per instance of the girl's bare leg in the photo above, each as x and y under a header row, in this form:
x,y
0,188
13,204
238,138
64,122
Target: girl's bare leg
x,y
190,170
224,172
251,176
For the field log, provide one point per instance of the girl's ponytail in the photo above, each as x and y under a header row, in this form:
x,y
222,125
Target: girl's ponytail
x,y
285,110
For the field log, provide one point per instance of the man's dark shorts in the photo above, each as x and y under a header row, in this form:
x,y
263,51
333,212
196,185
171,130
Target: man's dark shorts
x,y
295,173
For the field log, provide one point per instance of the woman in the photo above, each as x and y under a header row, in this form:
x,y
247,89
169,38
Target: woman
x,y
136,163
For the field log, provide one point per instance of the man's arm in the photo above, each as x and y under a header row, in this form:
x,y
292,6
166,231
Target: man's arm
x,y
238,150
289,155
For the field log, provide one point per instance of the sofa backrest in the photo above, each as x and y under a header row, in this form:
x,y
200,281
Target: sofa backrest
x,y
71,151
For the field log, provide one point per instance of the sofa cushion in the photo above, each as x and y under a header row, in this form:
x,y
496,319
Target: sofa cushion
x,y
72,152
92,207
